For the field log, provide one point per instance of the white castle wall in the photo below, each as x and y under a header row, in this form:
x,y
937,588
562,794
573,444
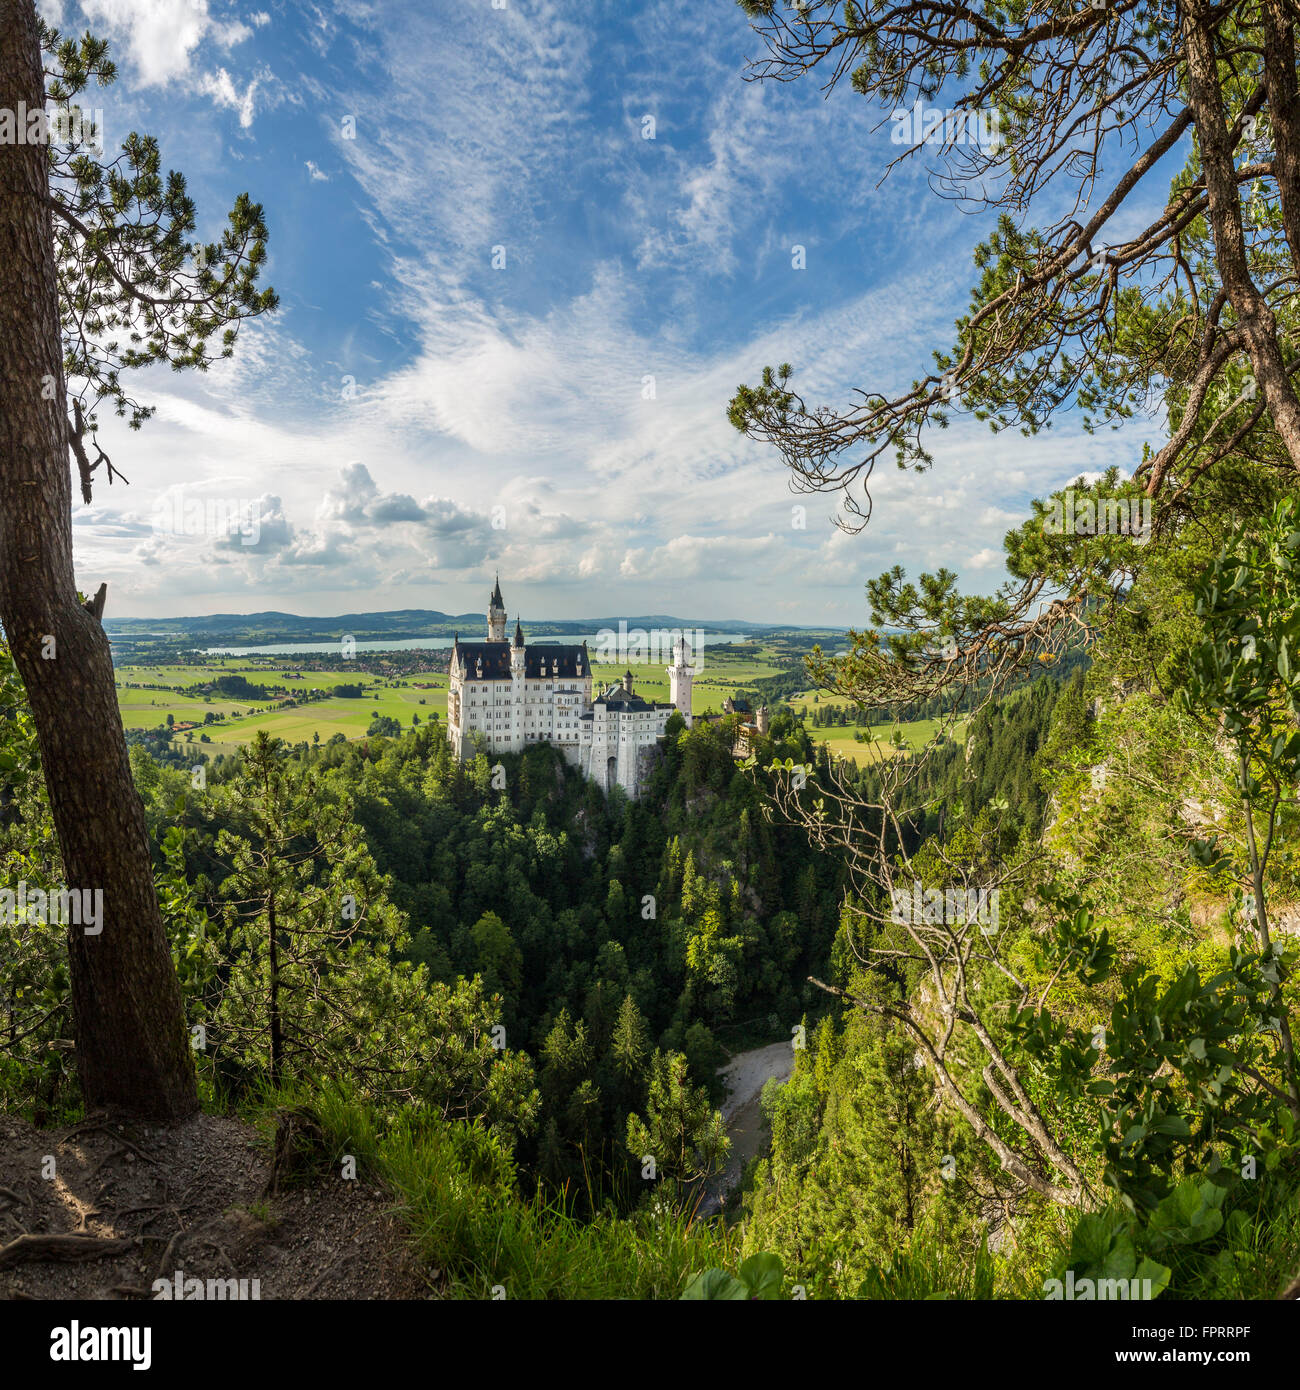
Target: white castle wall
x,y
612,747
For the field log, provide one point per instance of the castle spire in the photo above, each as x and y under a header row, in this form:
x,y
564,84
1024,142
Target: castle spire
x,y
496,617
519,633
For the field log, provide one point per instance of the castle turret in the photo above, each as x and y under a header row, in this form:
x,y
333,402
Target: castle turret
x,y
496,616
517,653
680,676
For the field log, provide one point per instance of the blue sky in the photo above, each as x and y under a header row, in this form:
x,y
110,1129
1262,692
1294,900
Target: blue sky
x,y
413,420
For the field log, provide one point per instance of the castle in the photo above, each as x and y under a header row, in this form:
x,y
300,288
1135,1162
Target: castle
x,y
514,694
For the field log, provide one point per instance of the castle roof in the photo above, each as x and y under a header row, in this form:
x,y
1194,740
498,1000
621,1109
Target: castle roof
x,y
519,634
547,660
497,600
623,701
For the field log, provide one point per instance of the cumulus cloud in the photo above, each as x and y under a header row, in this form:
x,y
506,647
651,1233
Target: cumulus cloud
x,y
162,36
562,416
163,43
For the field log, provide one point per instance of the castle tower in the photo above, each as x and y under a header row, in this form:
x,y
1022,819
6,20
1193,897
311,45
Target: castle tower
x,y
518,690
497,615
680,676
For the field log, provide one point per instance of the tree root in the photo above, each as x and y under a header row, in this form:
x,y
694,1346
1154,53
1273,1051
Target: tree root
x,y
39,1247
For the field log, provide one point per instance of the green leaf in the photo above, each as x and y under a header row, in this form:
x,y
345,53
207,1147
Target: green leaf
x,y
1174,1125
1156,1272
716,1284
764,1274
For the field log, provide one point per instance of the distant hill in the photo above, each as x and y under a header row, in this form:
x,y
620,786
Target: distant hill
x,y
257,629
411,622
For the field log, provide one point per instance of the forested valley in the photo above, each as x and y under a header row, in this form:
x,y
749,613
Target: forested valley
x,y
1030,966
495,953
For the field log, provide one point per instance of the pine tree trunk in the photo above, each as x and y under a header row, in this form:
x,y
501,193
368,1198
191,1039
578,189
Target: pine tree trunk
x,y
1256,322
132,1052
277,1035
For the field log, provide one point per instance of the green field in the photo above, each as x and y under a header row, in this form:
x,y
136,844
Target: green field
x,y
723,670
916,734
399,696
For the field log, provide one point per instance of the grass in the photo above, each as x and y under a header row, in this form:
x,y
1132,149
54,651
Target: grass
x,y
724,670
147,709
1256,1255
455,1189
916,734
399,698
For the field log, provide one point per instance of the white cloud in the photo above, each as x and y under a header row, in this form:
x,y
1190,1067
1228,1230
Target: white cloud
x,y
158,41
159,35
526,389
221,88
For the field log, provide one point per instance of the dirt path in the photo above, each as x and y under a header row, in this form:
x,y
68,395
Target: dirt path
x,y
745,1076
146,1202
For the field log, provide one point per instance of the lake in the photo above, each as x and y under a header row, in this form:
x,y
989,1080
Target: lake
x,y
695,636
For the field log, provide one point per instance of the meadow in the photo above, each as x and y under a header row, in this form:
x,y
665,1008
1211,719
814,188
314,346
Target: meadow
x,y
401,697
723,670
916,733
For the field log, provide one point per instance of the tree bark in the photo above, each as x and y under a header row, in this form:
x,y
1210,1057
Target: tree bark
x,y
132,1052
1258,325
1284,113
277,1035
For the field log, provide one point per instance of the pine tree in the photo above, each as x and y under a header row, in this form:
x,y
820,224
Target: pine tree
x,y
855,1165
95,279
629,1046
681,1131
496,956
312,985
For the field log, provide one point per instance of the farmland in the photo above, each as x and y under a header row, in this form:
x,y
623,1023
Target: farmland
x,y
299,712
296,710
916,734
840,739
